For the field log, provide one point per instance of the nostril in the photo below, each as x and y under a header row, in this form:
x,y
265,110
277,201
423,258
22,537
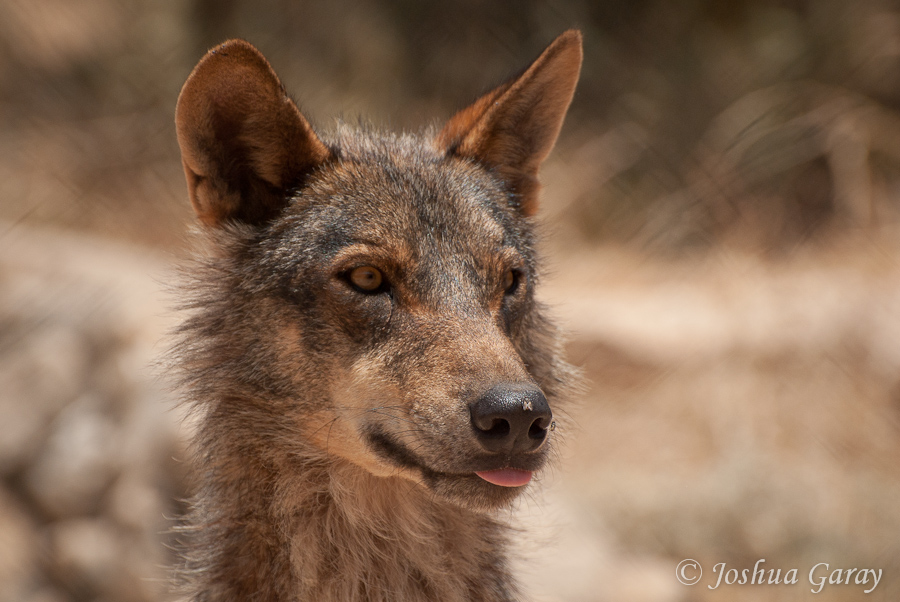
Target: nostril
x,y
537,430
498,429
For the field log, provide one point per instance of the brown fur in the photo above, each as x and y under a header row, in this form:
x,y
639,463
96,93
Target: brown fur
x,y
336,445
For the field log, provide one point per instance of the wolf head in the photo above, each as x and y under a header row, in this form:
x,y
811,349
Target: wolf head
x,y
370,298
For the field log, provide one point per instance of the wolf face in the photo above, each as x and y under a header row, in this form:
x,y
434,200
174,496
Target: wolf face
x,y
369,298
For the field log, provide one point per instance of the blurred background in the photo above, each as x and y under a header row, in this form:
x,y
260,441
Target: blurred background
x,y
721,214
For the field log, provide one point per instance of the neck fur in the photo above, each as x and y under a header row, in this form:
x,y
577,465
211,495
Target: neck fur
x,y
322,529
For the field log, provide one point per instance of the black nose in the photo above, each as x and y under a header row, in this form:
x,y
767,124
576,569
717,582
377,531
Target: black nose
x,y
511,418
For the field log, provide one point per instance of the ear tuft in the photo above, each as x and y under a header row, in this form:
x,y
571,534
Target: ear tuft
x,y
244,144
511,129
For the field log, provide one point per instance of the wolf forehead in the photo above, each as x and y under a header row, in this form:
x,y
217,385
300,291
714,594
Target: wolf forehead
x,y
394,192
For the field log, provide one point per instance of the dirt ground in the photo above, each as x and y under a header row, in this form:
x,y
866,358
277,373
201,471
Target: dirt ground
x,y
737,410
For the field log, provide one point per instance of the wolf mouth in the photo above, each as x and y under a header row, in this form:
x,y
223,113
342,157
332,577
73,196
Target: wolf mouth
x,y
388,448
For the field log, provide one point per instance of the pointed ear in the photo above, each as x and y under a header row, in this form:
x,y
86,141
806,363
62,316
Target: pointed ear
x,y
512,129
244,143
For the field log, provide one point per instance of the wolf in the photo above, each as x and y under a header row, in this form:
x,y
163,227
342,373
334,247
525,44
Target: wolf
x,y
373,379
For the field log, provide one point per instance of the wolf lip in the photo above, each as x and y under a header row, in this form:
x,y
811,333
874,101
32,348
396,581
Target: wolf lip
x,y
506,477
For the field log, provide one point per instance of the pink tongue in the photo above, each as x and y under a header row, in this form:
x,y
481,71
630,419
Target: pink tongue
x,y
506,477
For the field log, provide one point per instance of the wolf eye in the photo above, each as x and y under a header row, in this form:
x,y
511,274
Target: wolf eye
x,y
366,279
511,281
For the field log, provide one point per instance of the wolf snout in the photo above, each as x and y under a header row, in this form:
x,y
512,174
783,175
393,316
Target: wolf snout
x,y
511,418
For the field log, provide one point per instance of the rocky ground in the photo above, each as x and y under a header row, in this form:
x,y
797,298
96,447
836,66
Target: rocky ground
x,y
89,443
736,410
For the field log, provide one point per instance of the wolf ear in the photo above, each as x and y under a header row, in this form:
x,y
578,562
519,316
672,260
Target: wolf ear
x,y
512,129
244,143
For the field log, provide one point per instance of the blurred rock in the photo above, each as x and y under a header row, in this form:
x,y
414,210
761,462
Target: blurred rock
x,y
88,434
92,554
41,369
78,462
18,550
133,499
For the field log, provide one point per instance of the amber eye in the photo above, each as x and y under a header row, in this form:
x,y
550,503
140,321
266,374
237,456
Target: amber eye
x,y
366,278
510,282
